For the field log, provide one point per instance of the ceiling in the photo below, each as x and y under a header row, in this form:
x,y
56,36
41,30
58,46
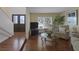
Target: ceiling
x,y
48,9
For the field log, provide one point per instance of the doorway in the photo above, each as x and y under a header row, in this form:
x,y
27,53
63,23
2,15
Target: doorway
x,y
19,22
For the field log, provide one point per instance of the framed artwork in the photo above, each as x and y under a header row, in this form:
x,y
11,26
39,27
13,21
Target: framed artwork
x,y
45,20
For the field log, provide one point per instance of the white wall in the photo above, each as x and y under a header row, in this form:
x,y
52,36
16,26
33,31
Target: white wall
x,y
7,11
18,10
27,22
13,10
6,24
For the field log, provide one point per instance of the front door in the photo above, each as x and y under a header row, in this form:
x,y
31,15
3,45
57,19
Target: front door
x,y
19,22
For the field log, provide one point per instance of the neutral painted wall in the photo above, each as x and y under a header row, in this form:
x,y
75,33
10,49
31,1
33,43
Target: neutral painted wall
x,y
7,11
18,10
27,22
34,16
6,24
13,10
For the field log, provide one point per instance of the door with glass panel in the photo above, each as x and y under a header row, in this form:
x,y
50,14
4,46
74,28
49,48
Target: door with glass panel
x,y
19,22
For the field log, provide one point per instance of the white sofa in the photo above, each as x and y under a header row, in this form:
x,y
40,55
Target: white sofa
x,y
63,32
75,38
75,43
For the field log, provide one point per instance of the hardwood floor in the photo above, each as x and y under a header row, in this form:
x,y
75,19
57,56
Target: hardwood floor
x,y
14,43
35,44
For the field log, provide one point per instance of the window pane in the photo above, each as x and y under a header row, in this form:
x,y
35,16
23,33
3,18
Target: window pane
x,y
15,19
72,21
21,19
44,22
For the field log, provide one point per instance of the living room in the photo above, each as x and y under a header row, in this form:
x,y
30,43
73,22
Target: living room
x,y
63,31
39,29
53,27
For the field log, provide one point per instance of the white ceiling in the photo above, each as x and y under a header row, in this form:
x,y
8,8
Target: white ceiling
x,y
48,9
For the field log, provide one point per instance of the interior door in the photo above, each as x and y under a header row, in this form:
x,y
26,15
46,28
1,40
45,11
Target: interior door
x,y
19,22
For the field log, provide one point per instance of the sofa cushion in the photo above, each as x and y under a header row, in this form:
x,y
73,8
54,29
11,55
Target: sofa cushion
x,y
76,46
75,43
75,29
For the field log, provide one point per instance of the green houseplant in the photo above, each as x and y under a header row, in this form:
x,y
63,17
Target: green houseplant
x,y
59,20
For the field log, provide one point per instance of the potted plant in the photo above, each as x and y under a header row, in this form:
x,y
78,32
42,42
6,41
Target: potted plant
x,y
59,20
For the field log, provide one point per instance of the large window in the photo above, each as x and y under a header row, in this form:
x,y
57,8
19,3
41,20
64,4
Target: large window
x,y
44,22
15,19
22,19
72,19
19,19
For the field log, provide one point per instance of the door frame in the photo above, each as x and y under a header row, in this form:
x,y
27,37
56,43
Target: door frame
x,y
19,15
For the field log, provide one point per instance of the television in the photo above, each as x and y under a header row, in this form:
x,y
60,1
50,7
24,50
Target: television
x,y
33,25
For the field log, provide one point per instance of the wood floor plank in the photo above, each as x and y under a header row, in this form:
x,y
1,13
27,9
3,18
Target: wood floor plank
x,y
35,44
17,43
14,43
